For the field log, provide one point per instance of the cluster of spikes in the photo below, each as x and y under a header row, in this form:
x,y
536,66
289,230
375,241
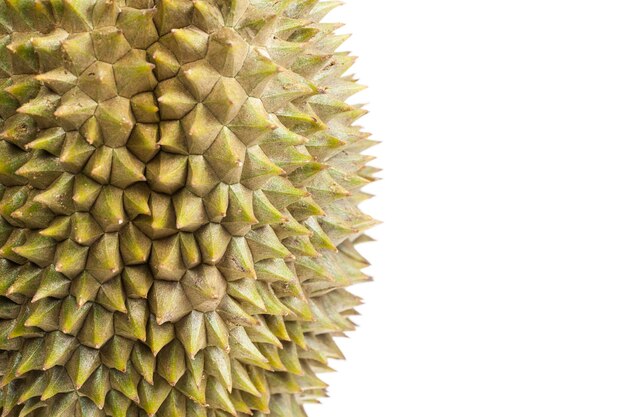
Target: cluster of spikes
x,y
179,182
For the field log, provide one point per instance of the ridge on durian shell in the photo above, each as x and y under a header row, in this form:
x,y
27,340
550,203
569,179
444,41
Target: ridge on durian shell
x,y
179,184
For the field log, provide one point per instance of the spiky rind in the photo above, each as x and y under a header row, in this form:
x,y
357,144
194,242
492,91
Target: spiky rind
x,y
179,183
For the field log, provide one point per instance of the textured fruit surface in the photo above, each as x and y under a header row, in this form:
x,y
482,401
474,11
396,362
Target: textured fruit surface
x,y
179,183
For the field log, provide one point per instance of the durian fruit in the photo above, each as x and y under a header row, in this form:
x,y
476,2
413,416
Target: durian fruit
x,y
178,206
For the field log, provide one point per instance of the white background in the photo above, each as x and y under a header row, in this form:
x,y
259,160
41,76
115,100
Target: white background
x,y
500,270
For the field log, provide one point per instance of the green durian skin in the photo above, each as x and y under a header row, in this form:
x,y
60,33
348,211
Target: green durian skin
x,y
179,191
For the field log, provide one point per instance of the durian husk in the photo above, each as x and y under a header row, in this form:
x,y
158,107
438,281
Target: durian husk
x,y
179,190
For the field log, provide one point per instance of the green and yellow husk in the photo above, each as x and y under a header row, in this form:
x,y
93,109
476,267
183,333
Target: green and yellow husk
x,y
179,182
